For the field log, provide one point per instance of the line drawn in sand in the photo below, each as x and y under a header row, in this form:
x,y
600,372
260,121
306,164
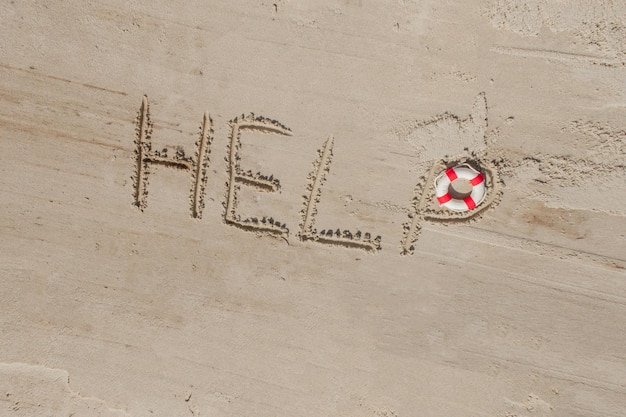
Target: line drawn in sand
x,y
145,157
317,177
452,137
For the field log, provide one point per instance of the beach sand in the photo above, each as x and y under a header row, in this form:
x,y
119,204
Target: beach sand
x,y
228,208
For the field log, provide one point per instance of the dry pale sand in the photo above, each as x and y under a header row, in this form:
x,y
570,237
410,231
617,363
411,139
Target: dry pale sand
x,y
140,282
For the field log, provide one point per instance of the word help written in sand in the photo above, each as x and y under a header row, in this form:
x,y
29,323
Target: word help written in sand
x,y
423,208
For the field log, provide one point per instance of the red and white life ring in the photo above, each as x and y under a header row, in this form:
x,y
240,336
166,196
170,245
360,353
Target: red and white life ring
x,y
463,171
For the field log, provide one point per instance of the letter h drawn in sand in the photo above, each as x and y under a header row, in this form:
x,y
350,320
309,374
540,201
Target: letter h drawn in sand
x,y
145,157
237,177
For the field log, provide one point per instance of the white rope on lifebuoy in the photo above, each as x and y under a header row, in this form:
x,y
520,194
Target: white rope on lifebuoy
x,y
464,173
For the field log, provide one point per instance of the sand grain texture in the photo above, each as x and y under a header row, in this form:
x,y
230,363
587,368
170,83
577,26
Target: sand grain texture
x,y
226,208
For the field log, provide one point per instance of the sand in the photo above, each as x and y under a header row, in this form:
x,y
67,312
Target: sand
x,y
229,209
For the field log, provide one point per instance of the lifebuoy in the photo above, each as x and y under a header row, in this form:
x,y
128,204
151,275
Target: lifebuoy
x,y
459,176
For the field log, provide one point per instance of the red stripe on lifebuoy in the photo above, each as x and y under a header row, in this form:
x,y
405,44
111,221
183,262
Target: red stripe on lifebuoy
x,y
477,179
444,198
451,174
469,201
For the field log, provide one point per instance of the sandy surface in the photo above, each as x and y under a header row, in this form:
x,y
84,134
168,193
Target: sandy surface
x,y
198,282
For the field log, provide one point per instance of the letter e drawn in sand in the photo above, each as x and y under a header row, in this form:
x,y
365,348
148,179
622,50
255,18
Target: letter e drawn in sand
x,y
339,237
145,157
237,177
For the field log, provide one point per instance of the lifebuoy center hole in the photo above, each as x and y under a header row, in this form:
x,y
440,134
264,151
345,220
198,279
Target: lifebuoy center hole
x,y
460,188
